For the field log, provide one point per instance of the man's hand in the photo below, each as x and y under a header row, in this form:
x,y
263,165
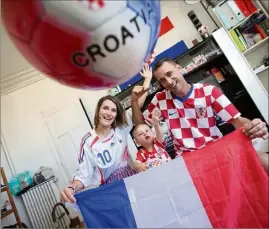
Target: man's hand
x,y
140,167
256,129
138,91
146,72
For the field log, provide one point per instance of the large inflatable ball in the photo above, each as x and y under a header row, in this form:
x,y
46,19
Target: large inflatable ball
x,y
90,44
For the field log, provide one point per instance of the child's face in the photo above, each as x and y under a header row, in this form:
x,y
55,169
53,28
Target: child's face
x,y
144,135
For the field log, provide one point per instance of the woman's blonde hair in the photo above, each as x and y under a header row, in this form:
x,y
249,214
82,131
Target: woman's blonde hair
x,y
120,119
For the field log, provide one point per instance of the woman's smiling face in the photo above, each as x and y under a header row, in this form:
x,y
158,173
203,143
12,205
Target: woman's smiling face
x,y
107,113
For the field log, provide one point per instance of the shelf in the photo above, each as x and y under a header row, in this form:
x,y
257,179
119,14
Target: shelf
x,y
10,199
4,189
257,71
202,65
200,44
6,213
239,95
252,48
244,20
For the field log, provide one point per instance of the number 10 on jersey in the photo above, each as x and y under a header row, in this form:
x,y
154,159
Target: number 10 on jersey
x,y
105,157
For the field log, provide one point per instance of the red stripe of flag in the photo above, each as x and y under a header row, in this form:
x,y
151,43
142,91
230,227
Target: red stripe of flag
x,y
231,182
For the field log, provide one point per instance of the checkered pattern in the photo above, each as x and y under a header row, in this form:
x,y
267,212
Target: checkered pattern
x,y
192,122
159,153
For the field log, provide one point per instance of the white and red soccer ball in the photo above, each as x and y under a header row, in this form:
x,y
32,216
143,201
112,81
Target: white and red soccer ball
x,y
90,44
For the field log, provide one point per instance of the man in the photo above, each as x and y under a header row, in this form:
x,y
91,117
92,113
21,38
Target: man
x,y
188,110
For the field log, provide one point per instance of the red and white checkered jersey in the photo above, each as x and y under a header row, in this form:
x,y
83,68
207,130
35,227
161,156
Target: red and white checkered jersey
x,y
99,158
191,119
159,152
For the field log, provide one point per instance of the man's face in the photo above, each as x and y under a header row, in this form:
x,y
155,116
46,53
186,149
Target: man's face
x,y
170,77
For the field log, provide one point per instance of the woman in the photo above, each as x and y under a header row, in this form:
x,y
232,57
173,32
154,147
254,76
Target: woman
x,y
104,154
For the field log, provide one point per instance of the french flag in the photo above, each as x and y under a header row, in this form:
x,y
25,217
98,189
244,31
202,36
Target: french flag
x,y
222,185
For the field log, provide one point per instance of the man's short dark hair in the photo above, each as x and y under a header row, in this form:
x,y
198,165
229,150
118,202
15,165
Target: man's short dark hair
x,y
161,62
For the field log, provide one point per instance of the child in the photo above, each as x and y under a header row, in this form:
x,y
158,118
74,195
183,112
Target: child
x,y
153,152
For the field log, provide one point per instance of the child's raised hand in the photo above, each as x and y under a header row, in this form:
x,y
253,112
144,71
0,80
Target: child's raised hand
x,y
154,120
146,72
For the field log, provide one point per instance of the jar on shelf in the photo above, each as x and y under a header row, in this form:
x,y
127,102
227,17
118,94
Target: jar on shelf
x,y
217,74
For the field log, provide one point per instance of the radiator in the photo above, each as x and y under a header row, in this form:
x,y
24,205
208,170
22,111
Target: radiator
x,y
39,202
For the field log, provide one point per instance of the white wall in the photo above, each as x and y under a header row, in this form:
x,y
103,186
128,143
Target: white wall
x,y
177,11
12,61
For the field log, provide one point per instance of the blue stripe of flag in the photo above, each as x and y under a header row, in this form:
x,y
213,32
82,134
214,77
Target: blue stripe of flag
x,y
115,211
